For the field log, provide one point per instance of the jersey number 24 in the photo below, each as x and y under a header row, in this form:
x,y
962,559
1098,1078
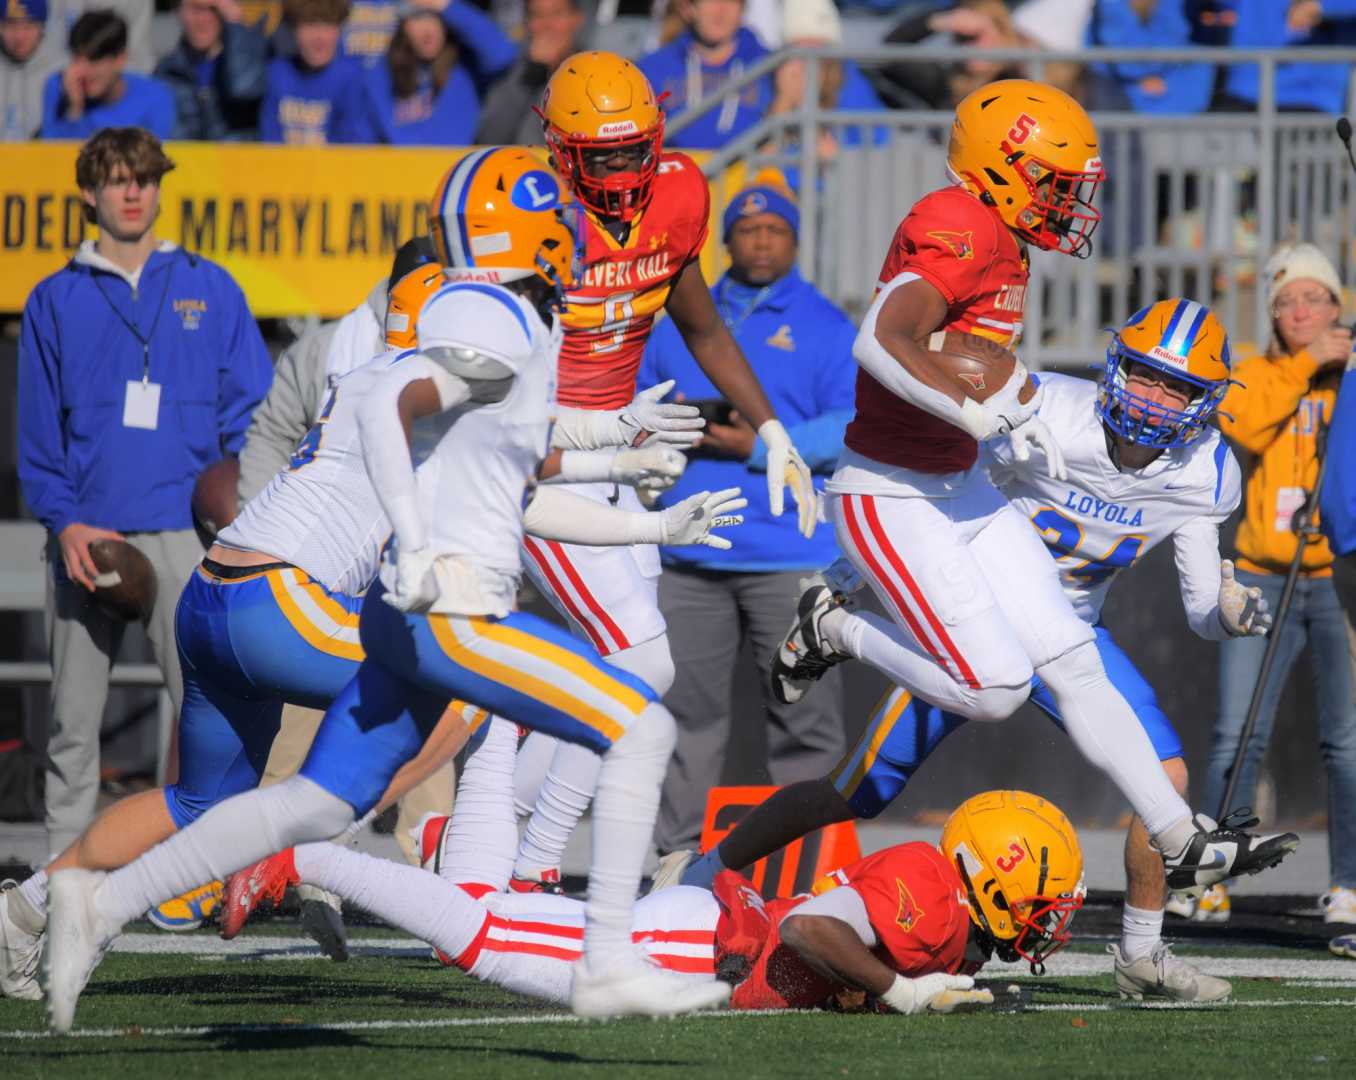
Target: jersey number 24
x,y
1064,537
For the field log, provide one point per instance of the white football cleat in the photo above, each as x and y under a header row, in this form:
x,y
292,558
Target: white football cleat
x,y
636,987
1180,904
322,917
77,938
1161,974
671,869
20,947
1339,905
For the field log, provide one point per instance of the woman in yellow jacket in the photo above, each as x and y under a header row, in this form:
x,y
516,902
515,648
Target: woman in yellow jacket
x,y
1273,418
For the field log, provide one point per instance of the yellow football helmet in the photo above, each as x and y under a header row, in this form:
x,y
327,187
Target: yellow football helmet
x,y
500,215
1177,338
599,106
1030,152
1023,870
405,299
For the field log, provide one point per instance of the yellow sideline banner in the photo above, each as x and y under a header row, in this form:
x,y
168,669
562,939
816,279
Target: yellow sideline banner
x,y
303,230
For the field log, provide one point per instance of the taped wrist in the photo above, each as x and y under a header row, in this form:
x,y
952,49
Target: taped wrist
x,y
586,466
587,429
902,995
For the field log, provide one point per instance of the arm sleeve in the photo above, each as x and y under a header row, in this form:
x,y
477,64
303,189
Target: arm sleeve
x,y
1196,552
559,515
491,51
1256,410
42,453
286,413
244,370
844,904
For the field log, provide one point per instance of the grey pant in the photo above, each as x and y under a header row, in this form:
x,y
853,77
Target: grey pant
x,y
709,615
83,643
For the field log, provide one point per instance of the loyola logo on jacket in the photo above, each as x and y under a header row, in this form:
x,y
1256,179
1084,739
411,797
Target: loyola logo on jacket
x,y
190,312
782,339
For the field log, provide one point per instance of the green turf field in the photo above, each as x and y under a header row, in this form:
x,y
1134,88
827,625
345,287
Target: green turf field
x,y
391,1013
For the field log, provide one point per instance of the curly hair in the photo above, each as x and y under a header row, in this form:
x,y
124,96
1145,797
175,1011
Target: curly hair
x,y
133,147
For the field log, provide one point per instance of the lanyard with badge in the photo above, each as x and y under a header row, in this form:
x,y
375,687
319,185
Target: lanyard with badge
x,y
141,407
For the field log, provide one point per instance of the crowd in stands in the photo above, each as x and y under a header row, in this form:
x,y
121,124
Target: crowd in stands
x,y
453,72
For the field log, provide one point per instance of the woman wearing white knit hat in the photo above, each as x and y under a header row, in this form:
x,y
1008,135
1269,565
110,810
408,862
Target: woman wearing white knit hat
x,y
1273,415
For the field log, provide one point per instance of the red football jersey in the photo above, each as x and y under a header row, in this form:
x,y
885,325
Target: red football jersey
x,y
962,248
914,898
609,312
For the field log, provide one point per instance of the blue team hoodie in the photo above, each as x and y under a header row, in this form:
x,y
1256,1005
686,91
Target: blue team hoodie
x,y
1337,501
676,70
77,461
305,106
800,347
146,103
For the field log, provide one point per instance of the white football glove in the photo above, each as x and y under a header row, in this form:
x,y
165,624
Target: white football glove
x,y
691,521
648,468
935,993
1003,412
1243,611
1036,432
785,468
647,421
415,587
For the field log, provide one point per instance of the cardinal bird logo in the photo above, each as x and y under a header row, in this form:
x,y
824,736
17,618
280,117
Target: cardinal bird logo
x,y
974,378
960,244
909,912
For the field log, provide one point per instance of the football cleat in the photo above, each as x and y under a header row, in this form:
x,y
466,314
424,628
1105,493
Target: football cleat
x,y
322,917
188,911
1343,945
429,837
248,888
1213,905
671,869
803,656
1224,850
20,946
1161,974
1180,904
1339,905
547,881
77,938
636,987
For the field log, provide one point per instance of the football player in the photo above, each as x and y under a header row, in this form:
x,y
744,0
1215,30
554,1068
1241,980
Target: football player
x,y
485,352
646,218
975,602
908,925
1143,466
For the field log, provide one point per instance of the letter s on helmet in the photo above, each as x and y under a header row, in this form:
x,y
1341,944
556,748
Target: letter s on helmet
x,y
598,103
1030,151
1023,871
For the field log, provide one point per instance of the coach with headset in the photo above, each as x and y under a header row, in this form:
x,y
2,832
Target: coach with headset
x,y
139,365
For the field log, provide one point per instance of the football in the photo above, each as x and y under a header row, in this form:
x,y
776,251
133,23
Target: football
x,y
215,503
125,587
979,366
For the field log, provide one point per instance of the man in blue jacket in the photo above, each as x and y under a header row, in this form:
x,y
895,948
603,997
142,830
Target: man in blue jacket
x,y
139,365
714,50
800,347
217,72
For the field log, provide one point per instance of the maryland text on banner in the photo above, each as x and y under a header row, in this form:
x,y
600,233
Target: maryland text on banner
x,y
304,230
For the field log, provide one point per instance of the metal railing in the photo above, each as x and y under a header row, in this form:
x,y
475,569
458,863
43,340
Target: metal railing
x,y
1194,204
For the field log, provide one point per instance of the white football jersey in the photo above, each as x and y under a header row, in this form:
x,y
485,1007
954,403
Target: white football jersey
x,y
473,484
321,513
1100,521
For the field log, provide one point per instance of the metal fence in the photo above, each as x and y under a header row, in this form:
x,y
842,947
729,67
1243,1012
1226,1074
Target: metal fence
x,y
1193,204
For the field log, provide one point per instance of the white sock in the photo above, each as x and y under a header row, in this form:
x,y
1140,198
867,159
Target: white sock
x,y
880,643
572,777
423,904
1106,731
230,836
34,891
624,813
1141,930
478,847
565,795
529,771
702,871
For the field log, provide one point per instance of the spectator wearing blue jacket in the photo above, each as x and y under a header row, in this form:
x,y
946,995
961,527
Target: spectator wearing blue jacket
x,y
1337,500
96,91
800,347
139,365
316,96
217,71
442,58
1150,86
714,50
1300,87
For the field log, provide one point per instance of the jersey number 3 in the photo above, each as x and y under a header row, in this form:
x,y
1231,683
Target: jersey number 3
x,y
310,442
1064,537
